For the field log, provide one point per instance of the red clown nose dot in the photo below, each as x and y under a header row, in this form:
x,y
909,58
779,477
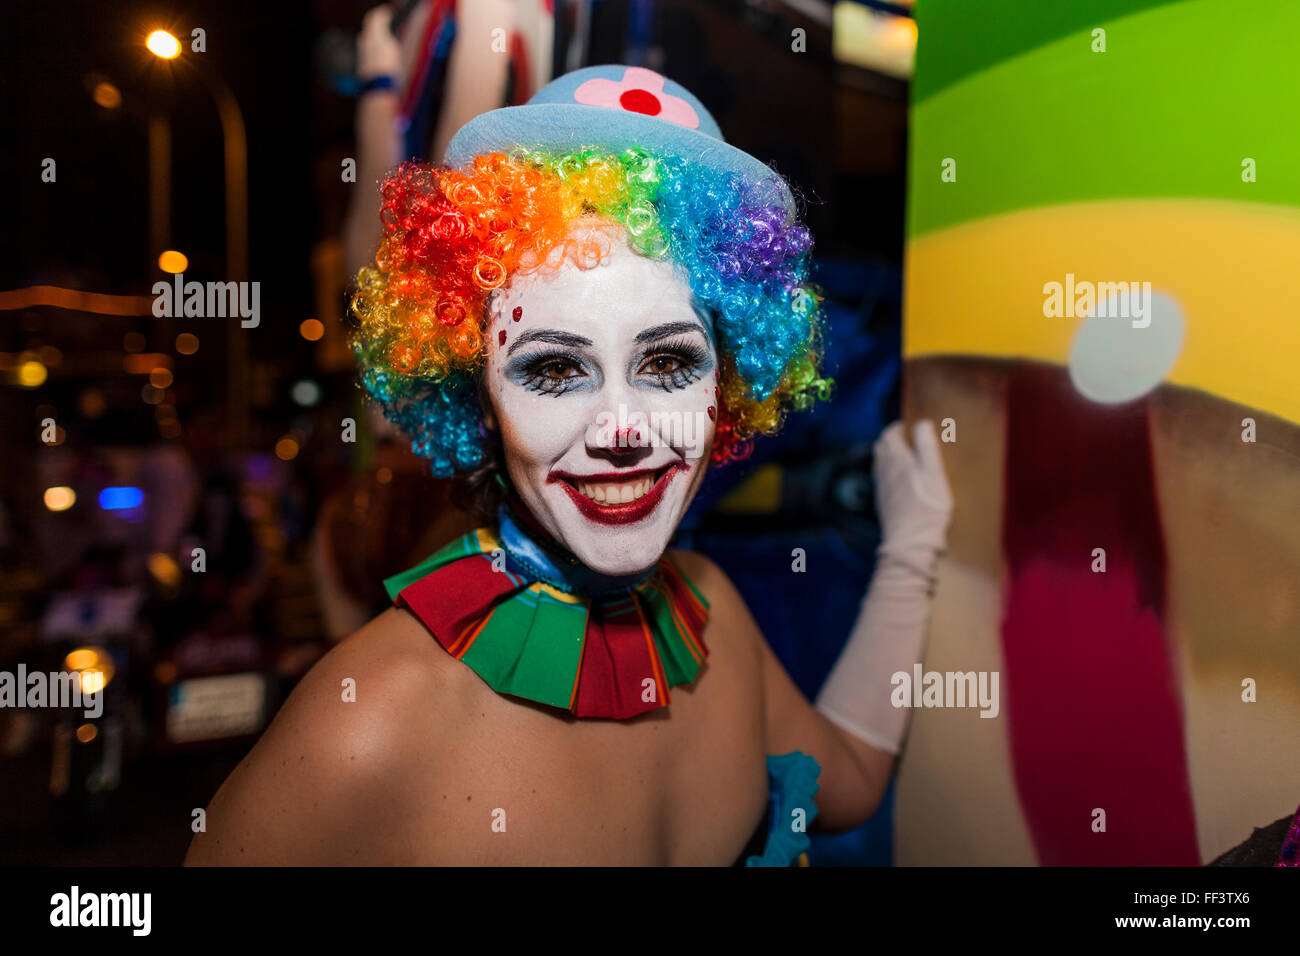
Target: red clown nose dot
x,y
640,101
518,313
501,337
713,413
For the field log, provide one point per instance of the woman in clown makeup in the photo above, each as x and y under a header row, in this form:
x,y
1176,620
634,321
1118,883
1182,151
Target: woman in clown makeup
x,y
593,300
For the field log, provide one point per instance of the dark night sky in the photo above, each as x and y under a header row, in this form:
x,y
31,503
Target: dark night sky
x,y
90,229
95,219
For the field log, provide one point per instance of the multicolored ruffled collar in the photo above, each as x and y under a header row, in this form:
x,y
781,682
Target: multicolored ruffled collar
x,y
534,622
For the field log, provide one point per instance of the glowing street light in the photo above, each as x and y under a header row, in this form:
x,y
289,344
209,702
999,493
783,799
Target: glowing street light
x,y
173,261
163,44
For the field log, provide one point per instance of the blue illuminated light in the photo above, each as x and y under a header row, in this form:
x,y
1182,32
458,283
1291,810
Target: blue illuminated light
x,y
121,499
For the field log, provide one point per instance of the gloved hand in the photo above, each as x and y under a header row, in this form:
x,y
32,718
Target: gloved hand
x,y
912,497
378,52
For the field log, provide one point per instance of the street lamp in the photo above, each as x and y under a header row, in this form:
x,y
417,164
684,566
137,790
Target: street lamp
x,y
163,44
236,164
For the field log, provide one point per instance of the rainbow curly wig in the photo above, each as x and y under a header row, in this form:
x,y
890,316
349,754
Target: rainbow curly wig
x,y
453,237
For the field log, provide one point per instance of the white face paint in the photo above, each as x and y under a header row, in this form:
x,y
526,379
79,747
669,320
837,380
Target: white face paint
x,y
604,391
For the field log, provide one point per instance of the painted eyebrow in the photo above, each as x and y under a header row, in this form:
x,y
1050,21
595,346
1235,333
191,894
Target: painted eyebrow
x,y
554,336
656,332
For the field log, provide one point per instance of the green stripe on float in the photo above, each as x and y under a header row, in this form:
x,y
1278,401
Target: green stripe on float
x,y
1183,94
962,37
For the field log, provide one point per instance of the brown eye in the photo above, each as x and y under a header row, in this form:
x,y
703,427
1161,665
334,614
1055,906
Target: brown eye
x,y
675,365
662,365
559,370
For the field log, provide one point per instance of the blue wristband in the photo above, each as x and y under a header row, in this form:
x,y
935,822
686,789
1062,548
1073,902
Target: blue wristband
x,y
381,82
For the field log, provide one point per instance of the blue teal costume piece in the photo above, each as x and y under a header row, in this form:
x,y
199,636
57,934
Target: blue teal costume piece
x,y
792,786
559,569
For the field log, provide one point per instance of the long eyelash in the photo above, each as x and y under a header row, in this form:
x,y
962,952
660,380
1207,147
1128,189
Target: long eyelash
x,y
691,354
531,377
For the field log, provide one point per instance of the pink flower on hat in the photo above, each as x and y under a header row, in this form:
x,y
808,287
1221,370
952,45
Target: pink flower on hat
x,y
640,91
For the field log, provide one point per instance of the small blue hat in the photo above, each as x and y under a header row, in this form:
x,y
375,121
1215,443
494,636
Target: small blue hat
x,y
614,108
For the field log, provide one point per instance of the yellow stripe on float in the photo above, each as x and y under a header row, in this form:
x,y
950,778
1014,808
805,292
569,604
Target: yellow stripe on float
x,y
977,288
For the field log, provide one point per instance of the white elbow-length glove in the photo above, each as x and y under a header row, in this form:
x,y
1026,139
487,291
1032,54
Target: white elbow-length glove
x,y
914,503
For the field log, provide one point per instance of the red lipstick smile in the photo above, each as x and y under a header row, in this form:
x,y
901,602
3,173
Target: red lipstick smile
x,y
626,512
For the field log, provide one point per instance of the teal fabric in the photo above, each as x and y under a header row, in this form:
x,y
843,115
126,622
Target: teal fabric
x,y
559,570
792,786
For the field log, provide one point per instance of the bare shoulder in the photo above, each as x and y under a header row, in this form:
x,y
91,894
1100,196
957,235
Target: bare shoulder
x,y
710,579
728,613
327,781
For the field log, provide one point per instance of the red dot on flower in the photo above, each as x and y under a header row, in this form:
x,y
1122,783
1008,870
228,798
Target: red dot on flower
x,y
713,413
518,313
640,101
501,337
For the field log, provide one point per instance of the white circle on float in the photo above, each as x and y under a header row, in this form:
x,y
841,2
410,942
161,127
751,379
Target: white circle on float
x,y
1111,361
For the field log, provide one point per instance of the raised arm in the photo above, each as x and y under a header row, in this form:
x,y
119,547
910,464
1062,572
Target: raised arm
x,y
379,144
854,731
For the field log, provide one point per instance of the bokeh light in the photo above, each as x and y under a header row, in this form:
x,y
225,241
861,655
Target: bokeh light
x,y
82,658
91,403
160,378
92,682
164,569
173,261
311,329
187,343
60,498
306,393
120,498
107,95
165,672
32,374
286,449
94,664
163,44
